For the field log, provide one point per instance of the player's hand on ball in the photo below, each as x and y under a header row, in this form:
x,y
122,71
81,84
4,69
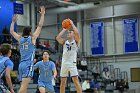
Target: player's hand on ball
x,y
64,29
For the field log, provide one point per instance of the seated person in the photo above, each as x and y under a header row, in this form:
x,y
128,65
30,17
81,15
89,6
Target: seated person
x,y
125,84
95,86
122,85
83,64
96,72
106,76
86,86
119,86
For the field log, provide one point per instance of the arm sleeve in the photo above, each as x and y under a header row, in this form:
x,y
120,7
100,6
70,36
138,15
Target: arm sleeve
x,y
36,65
9,64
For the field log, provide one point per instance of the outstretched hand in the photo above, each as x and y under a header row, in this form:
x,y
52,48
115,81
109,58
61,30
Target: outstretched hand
x,y
14,19
42,10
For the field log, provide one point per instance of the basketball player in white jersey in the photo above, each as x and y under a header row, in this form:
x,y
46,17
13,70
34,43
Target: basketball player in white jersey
x,y
70,48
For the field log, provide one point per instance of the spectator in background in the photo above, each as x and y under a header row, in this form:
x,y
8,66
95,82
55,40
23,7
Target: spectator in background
x,y
37,56
78,64
125,84
83,64
106,76
39,45
48,47
96,72
95,86
86,86
121,85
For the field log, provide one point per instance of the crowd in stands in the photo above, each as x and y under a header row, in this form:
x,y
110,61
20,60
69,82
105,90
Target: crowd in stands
x,y
93,85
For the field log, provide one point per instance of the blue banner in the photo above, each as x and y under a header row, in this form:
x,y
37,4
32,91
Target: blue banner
x,y
131,35
18,8
97,38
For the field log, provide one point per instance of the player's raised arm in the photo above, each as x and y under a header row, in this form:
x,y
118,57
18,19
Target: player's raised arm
x,y
76,33
39,27
13,33
59,37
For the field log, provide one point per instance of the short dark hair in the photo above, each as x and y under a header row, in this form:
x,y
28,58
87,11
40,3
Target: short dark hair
x,y
46,51
26,31
5,48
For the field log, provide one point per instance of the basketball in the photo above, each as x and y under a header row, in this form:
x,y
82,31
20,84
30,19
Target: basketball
x,y
66,24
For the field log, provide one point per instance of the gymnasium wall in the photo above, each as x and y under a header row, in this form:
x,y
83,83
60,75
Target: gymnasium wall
x,y
113,21
52,24
50,27
24,20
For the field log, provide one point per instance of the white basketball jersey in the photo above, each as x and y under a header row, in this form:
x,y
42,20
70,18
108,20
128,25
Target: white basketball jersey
x,y
69,52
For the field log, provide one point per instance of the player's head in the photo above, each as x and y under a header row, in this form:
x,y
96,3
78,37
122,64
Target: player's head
x,y
70,34
5,49
46,55
27,31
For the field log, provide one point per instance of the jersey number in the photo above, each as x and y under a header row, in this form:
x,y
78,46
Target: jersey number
x,y
25,46
68,48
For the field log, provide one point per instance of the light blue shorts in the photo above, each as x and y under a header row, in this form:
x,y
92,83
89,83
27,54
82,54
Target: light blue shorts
x,y
47,85
25,70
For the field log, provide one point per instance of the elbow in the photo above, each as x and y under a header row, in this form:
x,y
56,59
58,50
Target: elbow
x,y
57,37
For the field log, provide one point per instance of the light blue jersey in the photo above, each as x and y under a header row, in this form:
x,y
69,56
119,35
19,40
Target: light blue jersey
x,y
5,62
46,70
27,49
46,75
27,52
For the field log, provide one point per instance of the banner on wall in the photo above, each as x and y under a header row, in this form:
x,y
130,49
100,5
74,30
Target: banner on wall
x,y
18,8
131,35
97,38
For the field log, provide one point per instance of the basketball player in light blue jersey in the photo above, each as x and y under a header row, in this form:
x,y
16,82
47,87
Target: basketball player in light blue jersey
x,y
27,50
47,73
6,65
